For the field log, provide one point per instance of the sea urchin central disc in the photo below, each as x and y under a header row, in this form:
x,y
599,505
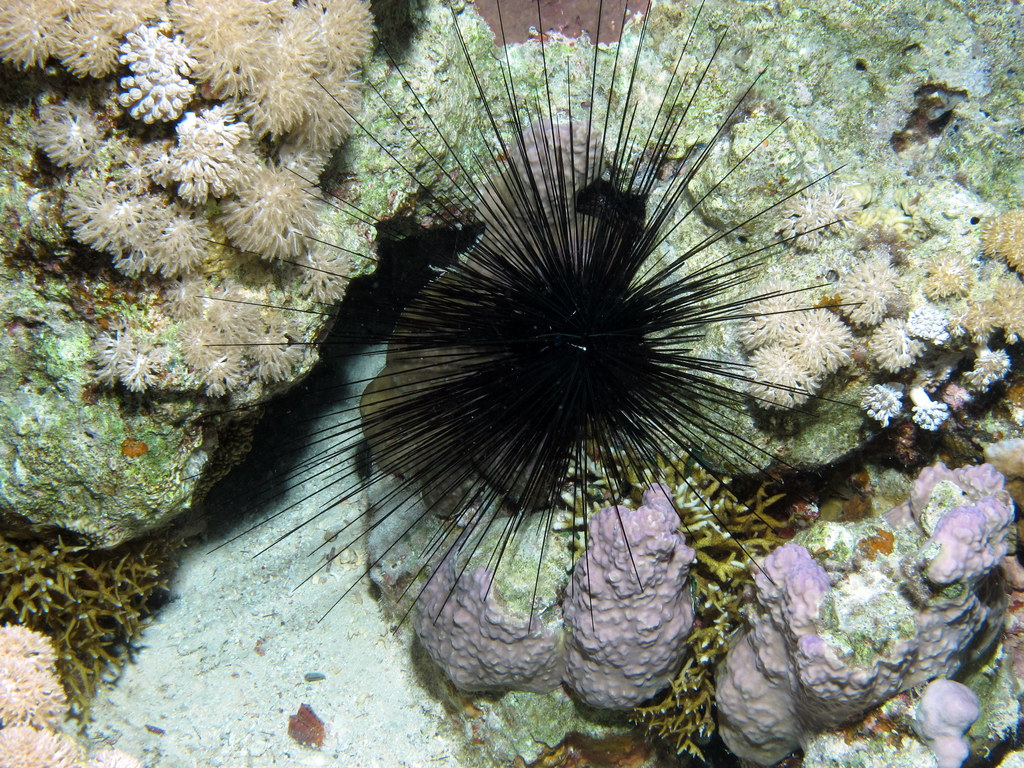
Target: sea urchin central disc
x,y
552,339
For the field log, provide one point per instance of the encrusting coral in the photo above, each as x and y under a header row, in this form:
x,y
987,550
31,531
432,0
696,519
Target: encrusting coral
x,y
32,706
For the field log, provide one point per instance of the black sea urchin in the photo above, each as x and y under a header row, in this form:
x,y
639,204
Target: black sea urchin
x,y
573,322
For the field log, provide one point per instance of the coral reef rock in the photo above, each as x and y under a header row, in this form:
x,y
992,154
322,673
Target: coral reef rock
x,y
848,615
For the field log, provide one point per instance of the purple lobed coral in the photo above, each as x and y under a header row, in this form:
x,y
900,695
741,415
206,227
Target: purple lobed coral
x,y
945,713
825,644
627,610
477,641
625,618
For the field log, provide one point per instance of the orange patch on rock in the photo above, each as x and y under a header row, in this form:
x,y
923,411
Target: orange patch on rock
x,y
133,448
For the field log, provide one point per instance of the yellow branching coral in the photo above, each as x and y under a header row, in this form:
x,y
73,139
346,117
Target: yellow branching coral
x,y
726,533
90,603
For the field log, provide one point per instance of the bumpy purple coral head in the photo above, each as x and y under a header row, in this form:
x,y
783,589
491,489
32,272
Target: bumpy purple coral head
x,y
823,647
967,512
626,616
945,713
975,482
791,575
973,539
477,641
628,609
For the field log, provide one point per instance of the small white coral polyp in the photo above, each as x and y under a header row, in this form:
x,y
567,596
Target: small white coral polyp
x,y
780,378
211,156
111,219
868,290
1003,237
274,231
892,347
122,356
67,132
928,323
927,413
808,217
989,367
882,403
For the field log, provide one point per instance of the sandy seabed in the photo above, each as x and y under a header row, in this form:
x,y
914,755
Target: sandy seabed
x,y
223,665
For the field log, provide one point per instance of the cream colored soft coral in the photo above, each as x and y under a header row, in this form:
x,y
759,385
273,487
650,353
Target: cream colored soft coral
x,y
822,341
808,217
67,132
275,231
27,644
325,274
22,746
28,29
949,274
892,347
227,38
868,290
282,62
87,42
30,693
780,379
770,318
1003,237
